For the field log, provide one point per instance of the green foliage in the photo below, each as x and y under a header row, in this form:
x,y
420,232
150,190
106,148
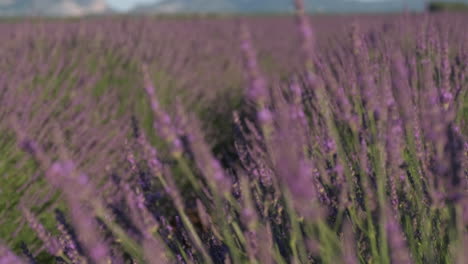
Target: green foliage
x,y
446,6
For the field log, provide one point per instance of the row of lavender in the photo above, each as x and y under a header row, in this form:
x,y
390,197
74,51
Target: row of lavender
x,y
358,155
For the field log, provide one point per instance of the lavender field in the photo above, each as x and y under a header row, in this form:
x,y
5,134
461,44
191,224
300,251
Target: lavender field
x,y
268,139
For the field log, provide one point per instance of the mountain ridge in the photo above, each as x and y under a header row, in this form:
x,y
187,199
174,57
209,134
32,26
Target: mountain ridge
x,y
100,7
272,6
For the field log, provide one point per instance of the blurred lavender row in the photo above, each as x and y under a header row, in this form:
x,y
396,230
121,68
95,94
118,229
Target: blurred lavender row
x,y
234,140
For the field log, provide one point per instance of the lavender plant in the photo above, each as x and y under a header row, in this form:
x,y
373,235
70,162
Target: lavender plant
x,y
356,153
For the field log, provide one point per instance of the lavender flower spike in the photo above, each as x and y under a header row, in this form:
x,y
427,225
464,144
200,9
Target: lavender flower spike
x,y
8,257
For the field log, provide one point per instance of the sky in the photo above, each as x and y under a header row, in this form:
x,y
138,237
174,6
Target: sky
x,y
125,5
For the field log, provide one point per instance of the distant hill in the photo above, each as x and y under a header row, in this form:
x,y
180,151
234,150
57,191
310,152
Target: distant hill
x,y
276,6
53,7
224,6
97,7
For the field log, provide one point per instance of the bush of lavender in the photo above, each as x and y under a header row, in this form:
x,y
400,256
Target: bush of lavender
x,y
329,146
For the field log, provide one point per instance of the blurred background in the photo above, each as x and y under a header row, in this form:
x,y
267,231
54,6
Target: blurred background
x,y
99,7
